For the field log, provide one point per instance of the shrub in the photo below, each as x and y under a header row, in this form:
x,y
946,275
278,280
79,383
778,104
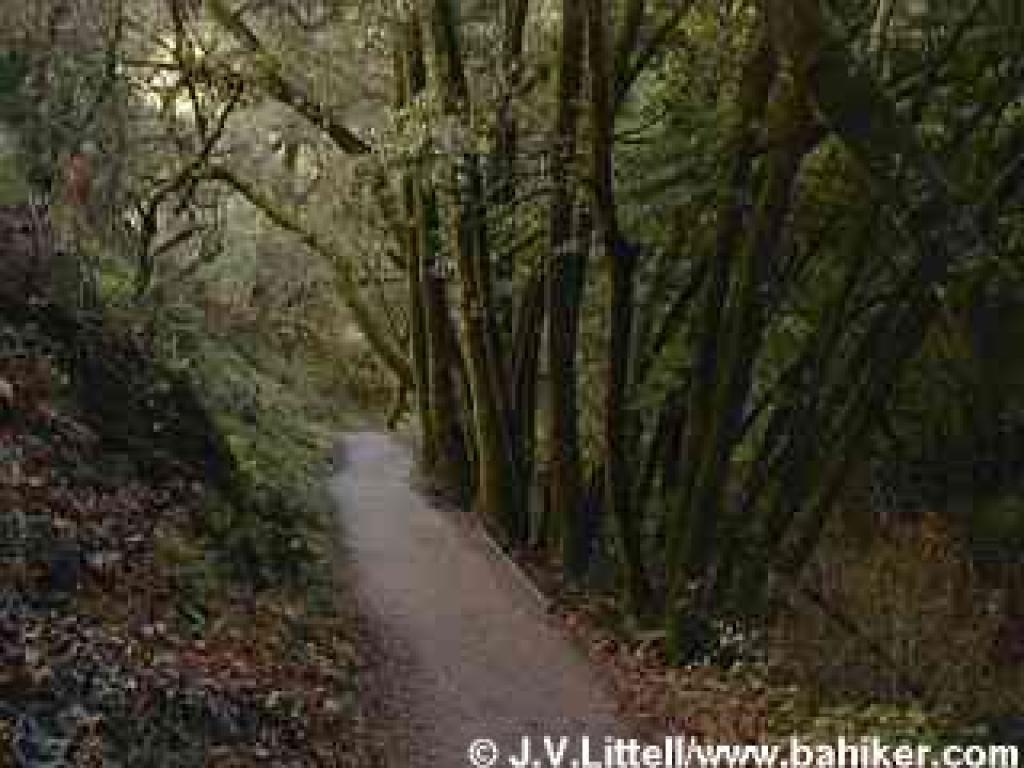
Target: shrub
x,y
916,596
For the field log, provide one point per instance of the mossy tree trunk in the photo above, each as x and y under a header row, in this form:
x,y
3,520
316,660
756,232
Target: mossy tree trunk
x,y
846,371
499,492
693,520
564,284
711,537
410,80
452,468
621,260
443,450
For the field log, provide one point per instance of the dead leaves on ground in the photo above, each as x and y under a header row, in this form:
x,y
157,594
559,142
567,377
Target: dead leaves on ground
x,y
700,702
117,649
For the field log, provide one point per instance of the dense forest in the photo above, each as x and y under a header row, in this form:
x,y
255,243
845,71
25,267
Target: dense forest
x,y
710,311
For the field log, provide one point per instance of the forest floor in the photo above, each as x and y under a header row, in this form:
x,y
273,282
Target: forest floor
x,y
471,651
126,637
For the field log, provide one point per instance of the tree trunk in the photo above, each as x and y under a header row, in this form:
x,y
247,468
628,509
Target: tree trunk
x,y
621,262
410,80
853,105
563,298
514,14
791,128
452,464
499,491
692,522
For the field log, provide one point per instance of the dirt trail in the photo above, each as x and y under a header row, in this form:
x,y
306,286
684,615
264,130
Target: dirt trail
x,y
481,658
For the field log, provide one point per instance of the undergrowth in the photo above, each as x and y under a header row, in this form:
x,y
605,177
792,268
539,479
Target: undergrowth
x,y
150,614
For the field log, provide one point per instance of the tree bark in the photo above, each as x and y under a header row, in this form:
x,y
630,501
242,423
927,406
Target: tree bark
x,y
621,263
271,79
563,297
410,80
514,14
444,360
692,522
499,490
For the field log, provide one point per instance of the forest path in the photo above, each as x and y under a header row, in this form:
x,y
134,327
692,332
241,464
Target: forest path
x,y
479,658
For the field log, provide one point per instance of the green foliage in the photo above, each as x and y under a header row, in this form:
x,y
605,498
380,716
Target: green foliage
x,y
279,416
13,187
14,69
996,529
791,238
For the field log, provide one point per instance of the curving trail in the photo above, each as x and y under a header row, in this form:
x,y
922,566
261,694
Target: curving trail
x,y
479,657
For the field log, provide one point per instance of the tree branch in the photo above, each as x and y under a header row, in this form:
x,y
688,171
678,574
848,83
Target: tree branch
x,y
272,80
378,339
